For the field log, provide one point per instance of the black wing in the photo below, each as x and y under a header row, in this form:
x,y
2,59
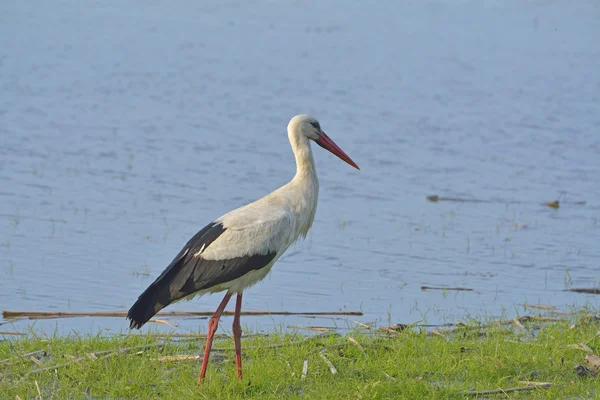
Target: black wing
x,y
187,274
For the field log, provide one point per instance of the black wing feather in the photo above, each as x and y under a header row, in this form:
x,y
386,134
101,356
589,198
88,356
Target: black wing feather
x,y
187,274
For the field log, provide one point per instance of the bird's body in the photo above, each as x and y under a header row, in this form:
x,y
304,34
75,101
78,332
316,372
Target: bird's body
x,y
270,224
239,249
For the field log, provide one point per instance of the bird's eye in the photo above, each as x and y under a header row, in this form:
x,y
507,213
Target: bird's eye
x,y
316,125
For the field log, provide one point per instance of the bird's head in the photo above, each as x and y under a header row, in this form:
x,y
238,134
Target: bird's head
x,y
309,127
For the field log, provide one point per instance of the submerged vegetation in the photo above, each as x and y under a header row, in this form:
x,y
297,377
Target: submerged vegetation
x,y
529,357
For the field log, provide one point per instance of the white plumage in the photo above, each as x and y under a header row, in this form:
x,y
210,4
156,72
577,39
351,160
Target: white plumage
x,y
239,249
274,222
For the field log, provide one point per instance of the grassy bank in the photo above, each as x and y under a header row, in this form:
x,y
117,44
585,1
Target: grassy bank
x,y
410,363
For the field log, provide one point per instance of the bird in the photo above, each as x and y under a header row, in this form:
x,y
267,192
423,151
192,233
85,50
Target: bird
x,y
238,249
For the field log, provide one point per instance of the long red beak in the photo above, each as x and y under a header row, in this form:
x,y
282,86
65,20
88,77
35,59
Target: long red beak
x,y
325,142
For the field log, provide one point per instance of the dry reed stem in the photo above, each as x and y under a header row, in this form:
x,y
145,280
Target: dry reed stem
x,y
163,322
580,346
461,289
539,307
27,355
518,323
534,383
544,385
585,290
361,324
388,375
39,396
310,328
354,342
191,357
37,362
329,363
304,370
9,314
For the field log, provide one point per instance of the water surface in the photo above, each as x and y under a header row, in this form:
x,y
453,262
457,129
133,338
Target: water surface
x,y
126,127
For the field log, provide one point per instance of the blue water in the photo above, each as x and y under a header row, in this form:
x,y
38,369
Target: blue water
x,y
126,127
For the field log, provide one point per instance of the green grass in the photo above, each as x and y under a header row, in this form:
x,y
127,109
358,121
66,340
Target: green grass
x,y
411,364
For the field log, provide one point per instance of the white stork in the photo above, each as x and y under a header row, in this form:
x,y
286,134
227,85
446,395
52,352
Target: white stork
x,y
238,249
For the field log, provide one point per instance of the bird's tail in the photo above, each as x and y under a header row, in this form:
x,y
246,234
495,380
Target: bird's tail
x,y
146,306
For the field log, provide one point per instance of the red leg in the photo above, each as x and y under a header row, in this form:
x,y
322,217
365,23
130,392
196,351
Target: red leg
x,y
213,324
237,335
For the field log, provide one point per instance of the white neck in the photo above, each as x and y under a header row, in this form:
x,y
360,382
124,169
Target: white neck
x,y
305,185
305,163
